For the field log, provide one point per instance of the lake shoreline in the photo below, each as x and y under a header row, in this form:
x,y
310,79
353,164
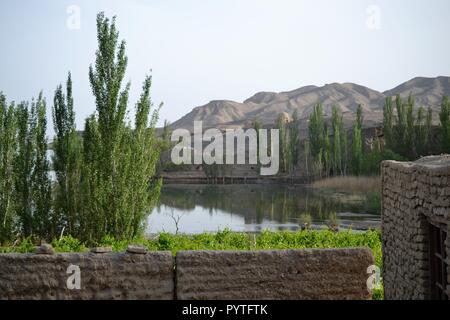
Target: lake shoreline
x,y
235,180
196,208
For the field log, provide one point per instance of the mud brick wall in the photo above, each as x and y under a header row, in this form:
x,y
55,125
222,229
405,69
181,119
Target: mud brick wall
x,y
279,274
103,276
413,195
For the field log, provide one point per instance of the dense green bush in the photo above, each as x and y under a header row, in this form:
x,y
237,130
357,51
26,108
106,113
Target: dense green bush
x,y
372,160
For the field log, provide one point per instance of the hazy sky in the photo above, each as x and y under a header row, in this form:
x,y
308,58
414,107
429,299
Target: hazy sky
x,y
203,50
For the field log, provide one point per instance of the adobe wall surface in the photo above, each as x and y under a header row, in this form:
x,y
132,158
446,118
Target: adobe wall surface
x,y
413,193
278,274
103,276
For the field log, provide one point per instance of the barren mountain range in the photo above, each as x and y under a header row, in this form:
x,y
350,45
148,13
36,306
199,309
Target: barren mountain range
x,y
267,106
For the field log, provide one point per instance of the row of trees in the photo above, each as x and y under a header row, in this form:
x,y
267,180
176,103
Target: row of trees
x,y
289,144
407,132
334,150
104,177
329,148
25,189
406,135
328,145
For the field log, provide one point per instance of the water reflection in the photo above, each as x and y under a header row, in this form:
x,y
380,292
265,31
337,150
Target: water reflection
x,y
252,208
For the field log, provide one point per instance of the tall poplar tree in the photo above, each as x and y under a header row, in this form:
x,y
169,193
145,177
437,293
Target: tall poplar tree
x,y
336,122
23,166
388,123
357,146
40,179
257,126
121,160
7,153
400,134
67,161
327,152
294,142
316,130
444,117
428,130
422,131
283,144
410,142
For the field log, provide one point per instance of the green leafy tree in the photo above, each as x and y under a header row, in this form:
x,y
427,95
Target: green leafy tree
x,y
357,146
444,117
24,161
283,144
316,130
143,187
166,132
92,217
121,161
420,130
307,155
345,153
318,166
257,126
7,154
422,133
327,152
40,179
165,145
337,151
294,143
428,131
67,161
401,126
32,186
388,122
410,133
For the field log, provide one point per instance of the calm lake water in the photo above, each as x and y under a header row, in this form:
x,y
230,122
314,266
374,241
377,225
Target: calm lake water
x,y
253,208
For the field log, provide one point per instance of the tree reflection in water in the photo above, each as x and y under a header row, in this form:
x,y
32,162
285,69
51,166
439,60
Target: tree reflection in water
x,y
258,207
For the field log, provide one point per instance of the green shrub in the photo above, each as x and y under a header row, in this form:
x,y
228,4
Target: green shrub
x,y
378,293
372,160
26,245
68,244
373,204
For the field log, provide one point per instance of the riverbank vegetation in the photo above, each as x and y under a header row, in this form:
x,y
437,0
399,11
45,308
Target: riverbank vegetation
x,y
368,187
103,182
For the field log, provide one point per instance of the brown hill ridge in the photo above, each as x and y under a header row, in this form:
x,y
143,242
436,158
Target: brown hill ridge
x,y
266,106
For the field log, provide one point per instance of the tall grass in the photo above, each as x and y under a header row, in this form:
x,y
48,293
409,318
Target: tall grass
x,y
350,184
